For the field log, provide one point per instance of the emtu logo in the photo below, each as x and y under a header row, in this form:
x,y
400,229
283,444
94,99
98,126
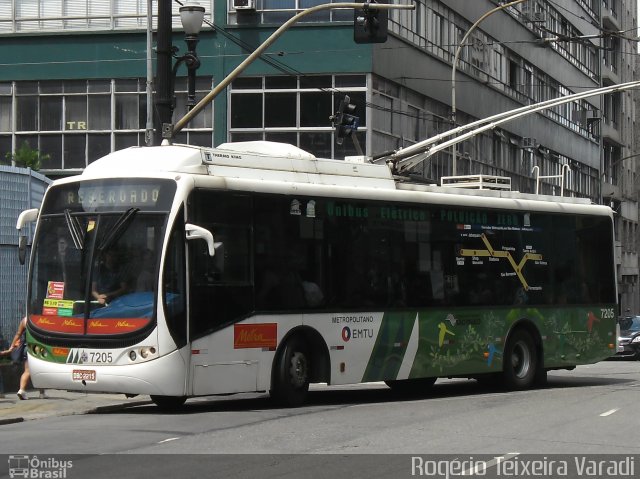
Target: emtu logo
x,y
346,334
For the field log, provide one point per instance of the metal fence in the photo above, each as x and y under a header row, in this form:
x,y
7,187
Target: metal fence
x,y
20,189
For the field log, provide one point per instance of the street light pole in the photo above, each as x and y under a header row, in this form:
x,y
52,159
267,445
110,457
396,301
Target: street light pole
x,y
455,67
191,16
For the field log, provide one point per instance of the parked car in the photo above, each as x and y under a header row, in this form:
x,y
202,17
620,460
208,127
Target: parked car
x,y
629,339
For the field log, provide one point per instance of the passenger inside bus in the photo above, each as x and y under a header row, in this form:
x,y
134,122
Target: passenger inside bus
x,y
111,280
284,284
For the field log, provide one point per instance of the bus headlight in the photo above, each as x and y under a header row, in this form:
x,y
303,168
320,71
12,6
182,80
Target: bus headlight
x,y
142,353
146,352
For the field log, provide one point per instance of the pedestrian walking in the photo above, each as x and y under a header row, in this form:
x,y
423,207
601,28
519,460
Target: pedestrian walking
x,y
18,351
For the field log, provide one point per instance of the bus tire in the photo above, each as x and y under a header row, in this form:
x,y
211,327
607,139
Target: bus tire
x,y
520,361
290,383
169,403
411,386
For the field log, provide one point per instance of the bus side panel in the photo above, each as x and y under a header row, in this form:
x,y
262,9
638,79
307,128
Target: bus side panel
x,y
351,339
239,357
367,347
375,346
577,335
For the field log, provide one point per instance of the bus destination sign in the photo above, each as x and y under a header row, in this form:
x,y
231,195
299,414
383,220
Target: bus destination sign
x,y
113,196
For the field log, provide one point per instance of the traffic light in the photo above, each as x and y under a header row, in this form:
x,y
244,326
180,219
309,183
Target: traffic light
x,y
370,25
344,120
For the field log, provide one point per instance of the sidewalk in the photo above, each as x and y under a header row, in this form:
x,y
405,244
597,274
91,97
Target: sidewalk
x,y
62,403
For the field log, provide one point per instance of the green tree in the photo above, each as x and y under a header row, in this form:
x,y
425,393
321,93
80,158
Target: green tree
x,y
27,157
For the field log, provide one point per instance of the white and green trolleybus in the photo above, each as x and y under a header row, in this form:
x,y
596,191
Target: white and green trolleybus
x,y
257,267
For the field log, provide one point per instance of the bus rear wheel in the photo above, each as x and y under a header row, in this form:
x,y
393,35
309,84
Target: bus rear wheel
x,y
411,386
290,383
520,361
169,403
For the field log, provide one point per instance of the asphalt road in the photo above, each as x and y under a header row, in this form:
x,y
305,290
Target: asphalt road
x,y
591,410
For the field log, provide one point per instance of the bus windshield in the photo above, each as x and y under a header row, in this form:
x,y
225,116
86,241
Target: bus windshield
x,y
96,257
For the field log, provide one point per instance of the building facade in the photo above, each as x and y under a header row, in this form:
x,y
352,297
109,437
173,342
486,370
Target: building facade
x,y
73,84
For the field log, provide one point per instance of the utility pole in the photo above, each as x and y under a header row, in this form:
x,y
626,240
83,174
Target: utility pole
x,y
164,49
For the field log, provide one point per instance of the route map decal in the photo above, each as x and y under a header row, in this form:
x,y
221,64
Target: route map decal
x,y
492,253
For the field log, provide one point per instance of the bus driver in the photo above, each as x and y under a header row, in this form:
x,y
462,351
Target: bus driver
x,y
111,281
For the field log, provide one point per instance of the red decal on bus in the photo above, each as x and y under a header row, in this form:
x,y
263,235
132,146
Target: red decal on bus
x,y
115,325
62,324
58,324
264,335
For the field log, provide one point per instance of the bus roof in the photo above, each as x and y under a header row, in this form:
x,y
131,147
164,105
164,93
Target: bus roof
x,y
263,161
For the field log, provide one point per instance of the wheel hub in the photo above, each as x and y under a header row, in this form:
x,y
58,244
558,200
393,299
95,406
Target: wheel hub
x,y
299,369
521,360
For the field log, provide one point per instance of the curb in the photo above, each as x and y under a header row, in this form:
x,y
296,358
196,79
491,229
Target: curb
x,y
116,407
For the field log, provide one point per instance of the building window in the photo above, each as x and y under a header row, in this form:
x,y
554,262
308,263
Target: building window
x,y
73,122
296,110
279,11
78,15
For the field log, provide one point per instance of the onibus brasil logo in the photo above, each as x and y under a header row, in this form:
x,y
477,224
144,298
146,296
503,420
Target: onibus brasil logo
x,y
35,467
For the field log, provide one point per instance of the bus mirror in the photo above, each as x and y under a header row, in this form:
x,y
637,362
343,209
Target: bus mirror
x,y
26,216
197,232
22,248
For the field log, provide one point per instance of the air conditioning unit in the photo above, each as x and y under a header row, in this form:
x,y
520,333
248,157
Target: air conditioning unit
x,y
530,14
477,182
536,17
528,143
244,4
579,116
592,115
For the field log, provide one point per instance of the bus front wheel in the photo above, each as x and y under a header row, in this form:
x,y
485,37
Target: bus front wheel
x,y
169,403
520,361
290,383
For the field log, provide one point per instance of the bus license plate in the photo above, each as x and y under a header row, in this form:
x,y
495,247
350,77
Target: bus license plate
x,y
84,375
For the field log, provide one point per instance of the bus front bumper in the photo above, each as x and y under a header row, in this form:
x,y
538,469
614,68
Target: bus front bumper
x,y
164,376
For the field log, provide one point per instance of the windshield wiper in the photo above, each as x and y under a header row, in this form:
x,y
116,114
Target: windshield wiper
x,y
75,230
118,228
